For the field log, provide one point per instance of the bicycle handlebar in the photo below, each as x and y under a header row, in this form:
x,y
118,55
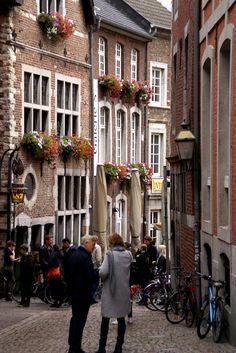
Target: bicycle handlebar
x,y
209,278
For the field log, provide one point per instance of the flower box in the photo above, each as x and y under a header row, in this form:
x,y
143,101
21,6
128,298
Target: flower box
x,y
55,26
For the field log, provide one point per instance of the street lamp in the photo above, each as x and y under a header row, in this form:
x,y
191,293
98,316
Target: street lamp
x,y
185,141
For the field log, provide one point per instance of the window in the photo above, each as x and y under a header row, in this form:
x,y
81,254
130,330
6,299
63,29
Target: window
x,y
155,218
72,191
157,148
118,61
51,5
159,84
104,135
135,138
225,269
134,65
68,121
155,153
120,137
102,56
36,100
175,9
121,215
30,186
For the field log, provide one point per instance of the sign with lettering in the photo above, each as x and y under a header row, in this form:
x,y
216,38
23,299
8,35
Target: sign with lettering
x,y
95,124
157,184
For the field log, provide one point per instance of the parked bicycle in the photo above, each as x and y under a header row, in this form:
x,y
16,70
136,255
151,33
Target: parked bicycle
x,y
3,281
181,305
39,290
211,313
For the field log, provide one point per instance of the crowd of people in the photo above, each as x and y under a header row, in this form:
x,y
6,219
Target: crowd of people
x,y
81,269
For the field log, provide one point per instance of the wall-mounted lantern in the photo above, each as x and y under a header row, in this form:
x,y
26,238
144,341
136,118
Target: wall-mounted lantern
x,y
185,141
17,191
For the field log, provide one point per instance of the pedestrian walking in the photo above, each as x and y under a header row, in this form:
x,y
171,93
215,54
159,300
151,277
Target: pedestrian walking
x,y
8,267
151,250
44,254
142,261
26,274
161,263
115,303
81,277
97,261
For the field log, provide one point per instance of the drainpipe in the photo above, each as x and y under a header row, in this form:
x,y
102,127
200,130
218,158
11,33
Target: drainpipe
x,y
197,173
92,184
145,145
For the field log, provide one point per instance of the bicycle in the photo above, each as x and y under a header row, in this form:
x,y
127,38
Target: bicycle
x,y
3,281
181,305
211,312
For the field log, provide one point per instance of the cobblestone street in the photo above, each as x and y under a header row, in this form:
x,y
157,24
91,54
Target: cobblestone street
x,y
40,329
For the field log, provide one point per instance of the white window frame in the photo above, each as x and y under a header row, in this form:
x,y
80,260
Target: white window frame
x,y
102,56
68,112
76,214
32,106
118,61
105,155
134,64
162,69
121,215
158,129
154,233
53,8
121,134
135,135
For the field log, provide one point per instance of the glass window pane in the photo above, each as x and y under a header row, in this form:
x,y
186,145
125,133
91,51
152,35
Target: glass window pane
x,y
60,94
75,104
45,95
36,91
68,95
44,126
27,120
27,87
67,125
36,120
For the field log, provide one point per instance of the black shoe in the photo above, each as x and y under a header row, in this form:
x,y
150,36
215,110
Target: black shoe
x,y
8,299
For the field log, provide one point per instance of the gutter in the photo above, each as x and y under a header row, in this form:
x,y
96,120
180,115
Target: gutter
x,y
197,171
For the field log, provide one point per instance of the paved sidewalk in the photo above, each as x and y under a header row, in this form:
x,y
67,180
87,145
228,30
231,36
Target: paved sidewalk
x,y
40,329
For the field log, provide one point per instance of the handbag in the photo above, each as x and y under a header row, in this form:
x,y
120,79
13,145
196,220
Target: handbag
x,y
54,273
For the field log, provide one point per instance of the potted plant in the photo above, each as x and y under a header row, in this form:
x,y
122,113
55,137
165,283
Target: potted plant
x,y
66,147
145,174
33,141
55,26
83,148
128,90
111,171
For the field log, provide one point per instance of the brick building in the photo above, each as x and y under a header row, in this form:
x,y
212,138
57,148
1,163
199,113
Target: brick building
x,y
202,198
158,73
44,86
120,49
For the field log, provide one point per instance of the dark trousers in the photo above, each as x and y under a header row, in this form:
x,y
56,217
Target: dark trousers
x,y
95,283
80,309
120,332
25,288
9,278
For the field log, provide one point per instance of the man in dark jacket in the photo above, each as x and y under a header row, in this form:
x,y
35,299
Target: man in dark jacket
x,y
80,282
44,254
151,250
67,251
26,275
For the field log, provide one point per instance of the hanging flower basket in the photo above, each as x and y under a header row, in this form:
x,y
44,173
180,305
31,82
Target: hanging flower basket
x,y
111,85
66,148
144,93
83,148
128,91
55,26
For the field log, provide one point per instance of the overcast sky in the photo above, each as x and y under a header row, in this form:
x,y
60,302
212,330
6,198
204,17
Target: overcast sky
x,y
167,4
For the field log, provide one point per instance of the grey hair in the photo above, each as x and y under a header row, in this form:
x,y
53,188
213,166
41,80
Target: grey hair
x,y
87,239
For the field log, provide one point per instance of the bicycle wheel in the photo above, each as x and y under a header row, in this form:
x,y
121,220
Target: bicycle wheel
x,y
204,322
217,325
189,311
48,298
174,309
2,286
148,293
16,293
136,293
158,298
98,293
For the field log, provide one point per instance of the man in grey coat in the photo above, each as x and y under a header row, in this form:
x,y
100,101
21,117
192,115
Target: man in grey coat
x,y
115,274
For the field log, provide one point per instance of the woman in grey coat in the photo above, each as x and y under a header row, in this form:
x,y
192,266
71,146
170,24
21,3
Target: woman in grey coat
x,y
115,274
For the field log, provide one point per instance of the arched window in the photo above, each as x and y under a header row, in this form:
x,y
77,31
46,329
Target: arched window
x,y
118,61
104,135
134,65
120,136
135,138
208,258
102,56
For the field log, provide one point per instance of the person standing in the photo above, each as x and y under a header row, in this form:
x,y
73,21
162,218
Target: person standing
x,y
8,266
26,275
80,282
67,251
56,284
115,274
151,251
44,254
97,261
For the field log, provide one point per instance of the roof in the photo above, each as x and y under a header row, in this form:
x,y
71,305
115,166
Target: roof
x,y
118,13
153,11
